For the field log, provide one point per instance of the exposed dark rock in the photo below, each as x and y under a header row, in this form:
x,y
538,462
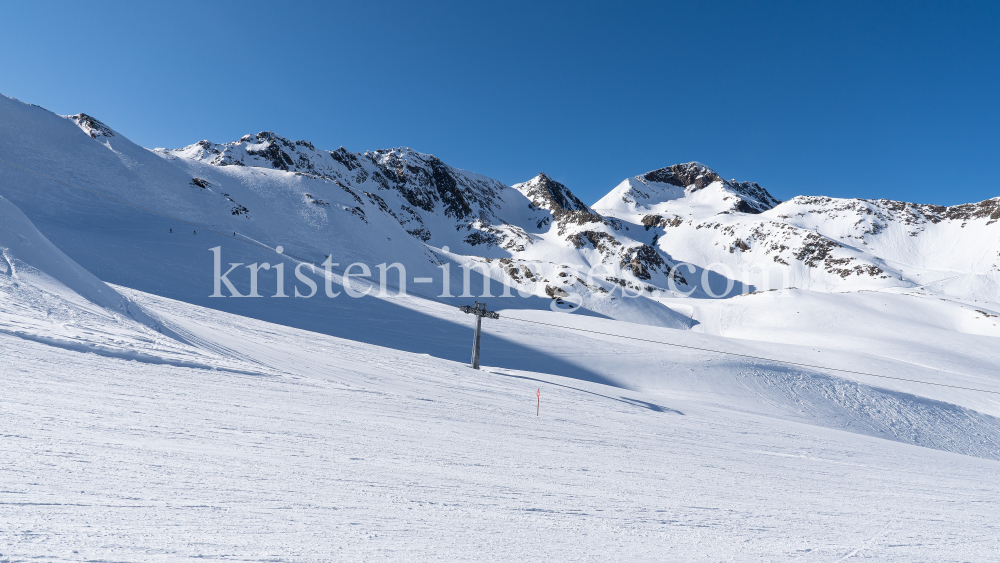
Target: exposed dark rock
x,y
421,233
315,201
424,180
377,200
207,146
566,208
884,211
92,126
642,261
271,151
684,175
739,244
755,199
479,237
237,209
743,207
357,212
555,292
455,204
349,191
816,251
546,193
750,197
650,221
348,159
599,240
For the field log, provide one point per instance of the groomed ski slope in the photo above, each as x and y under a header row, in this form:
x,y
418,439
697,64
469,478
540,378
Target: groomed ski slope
x,y
312,447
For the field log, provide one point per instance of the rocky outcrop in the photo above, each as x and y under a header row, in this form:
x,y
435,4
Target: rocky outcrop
x,y
752,198
567,210
642,261
546,193
650,190
684,175
92,126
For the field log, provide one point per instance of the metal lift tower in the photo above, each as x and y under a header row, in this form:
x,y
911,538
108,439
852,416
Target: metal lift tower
x,y
480,311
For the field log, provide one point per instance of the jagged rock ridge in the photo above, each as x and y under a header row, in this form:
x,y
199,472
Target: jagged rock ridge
x,y
636,234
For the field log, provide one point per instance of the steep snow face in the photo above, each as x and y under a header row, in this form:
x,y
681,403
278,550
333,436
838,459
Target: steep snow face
x,y
41,287
147,221
28,255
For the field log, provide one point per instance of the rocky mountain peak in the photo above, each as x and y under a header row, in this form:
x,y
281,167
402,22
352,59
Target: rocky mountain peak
x,y
683,175
92,126
396,161
546,193
689,182
694,176
424,180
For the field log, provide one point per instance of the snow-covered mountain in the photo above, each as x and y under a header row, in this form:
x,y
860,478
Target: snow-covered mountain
x,y
637,236
675,231
536,237
138,404
819,243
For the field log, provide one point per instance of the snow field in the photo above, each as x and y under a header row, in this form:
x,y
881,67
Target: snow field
x,y
342,450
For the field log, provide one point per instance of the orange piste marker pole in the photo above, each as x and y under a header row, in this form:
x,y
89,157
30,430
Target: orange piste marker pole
x,y
538,408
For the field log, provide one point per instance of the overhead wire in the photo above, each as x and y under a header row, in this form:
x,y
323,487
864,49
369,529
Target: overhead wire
x,y
799,364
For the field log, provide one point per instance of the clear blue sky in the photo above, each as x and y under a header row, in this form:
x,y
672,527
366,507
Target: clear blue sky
x,y
849,99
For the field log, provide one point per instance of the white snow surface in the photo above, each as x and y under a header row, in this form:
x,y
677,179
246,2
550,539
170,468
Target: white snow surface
x,y
145,421
311,447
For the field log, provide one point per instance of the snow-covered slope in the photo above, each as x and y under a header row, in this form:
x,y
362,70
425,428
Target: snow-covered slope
x,y
536,236
376,207
692,215
677,230
137,219
641,451
29,257
636,237
142,425
48,298
45,292
434,202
